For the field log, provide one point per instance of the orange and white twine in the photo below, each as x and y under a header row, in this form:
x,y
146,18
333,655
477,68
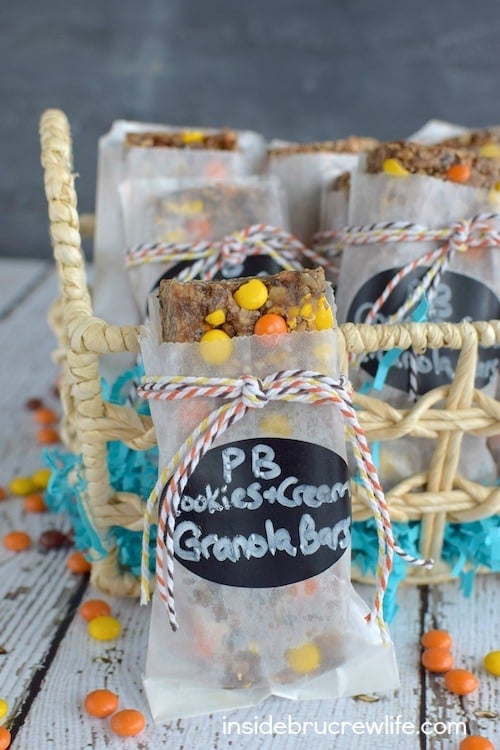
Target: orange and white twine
x,y
239,396
207,258
478,232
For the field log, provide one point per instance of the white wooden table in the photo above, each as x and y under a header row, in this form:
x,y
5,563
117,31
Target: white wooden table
x,y
48,663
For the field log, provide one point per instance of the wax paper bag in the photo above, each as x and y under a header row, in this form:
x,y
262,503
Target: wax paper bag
x,y
469,289
334,208
263,598
187,211
118,162
302,175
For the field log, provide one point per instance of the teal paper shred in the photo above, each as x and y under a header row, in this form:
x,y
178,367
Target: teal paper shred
x,y
130,471
129,545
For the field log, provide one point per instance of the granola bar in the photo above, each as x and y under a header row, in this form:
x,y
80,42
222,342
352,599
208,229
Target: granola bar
x,y
189,309
353,144
223,140
404,157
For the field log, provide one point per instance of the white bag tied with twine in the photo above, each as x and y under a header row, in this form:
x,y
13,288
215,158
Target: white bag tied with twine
x,y
253,556
435,265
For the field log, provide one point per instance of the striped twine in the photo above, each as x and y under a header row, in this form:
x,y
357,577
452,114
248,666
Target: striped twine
x,y
477,232
240,395
209,258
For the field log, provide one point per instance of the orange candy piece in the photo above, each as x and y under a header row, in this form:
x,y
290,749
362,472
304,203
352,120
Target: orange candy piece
x,y
476,742
3,494
45,416
436,639
78,563
436,659
5,738
128,722
100,703
17,541
270,324
34,503
461,681
47,436
458,173
94,608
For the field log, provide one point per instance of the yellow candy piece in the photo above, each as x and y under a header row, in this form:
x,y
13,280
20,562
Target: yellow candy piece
x,y
192,136
41,478
490,151
304,659
104,628
306,310
4,707
324,315
276,424
22,486
215,347
492,663
394,168
252,295
216,318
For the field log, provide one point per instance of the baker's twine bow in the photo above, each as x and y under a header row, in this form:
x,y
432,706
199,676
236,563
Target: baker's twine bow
x,y
477,232
240,395
207,258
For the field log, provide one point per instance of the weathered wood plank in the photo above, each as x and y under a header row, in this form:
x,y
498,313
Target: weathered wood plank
x,y
120,666
17,278
474,625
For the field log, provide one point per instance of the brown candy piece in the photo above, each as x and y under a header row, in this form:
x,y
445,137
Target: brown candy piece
x,y
52,539
32,404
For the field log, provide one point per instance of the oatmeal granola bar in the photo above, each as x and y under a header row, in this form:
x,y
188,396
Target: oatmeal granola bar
x,y
486,141
353,144
445,163
189,309
223,140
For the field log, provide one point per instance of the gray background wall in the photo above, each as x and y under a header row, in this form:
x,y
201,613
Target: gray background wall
x,y
300,69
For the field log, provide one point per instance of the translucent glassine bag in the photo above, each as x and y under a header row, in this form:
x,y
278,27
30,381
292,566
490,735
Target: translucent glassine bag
x,y
302,169
117,162
263,599
467,288
188,211
334,211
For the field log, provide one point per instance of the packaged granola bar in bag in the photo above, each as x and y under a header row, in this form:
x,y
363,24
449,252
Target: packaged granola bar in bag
x,y
164,215
424,246
253,574
302,168
143,150
334,211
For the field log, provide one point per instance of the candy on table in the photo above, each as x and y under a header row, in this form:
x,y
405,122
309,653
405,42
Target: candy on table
x,y
4,708
41,478
22,486
52,539
128,722
47,436
32,404
45,416
476,742
5,738
34,503
77,563
104,628
491,663
461,681
3,493
94,608
101,703
437,659
436,638
17,541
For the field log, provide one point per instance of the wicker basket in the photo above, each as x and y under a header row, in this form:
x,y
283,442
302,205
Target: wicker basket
x,y
433,498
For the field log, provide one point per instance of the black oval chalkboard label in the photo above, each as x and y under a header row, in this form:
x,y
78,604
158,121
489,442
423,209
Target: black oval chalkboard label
x,y
457,298
264,513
